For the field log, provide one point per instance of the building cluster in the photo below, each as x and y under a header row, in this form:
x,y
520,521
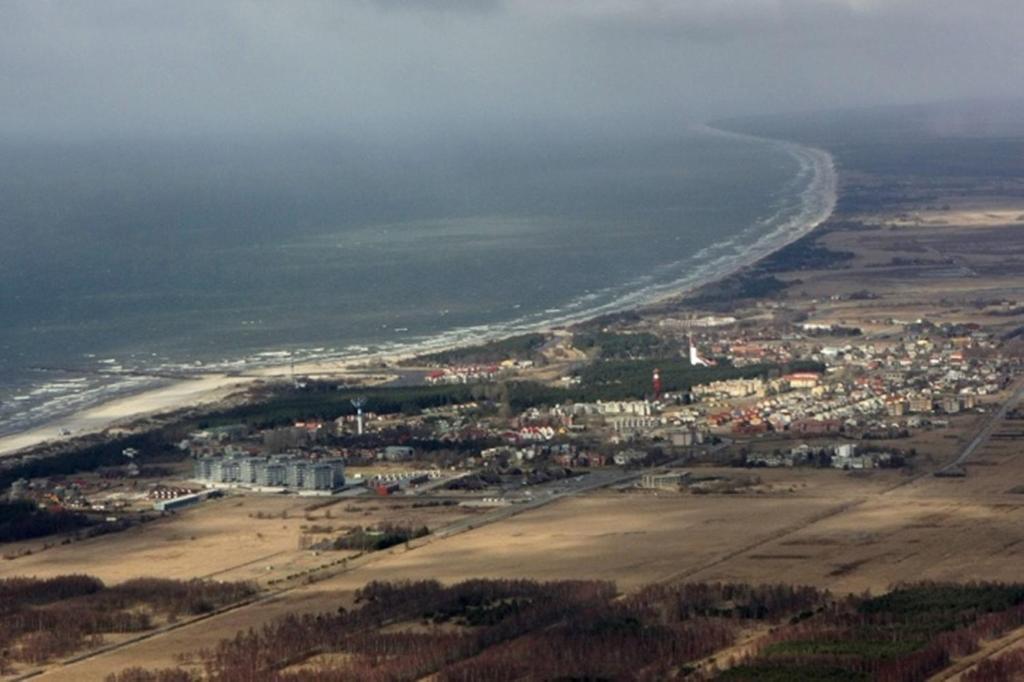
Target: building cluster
x,y
872,388
585,460
515,454
48,494
703,322
838,456
169,492
635,408
863,387
389,484
187,499
730,389
671,480
275,471
463,374
768,344
510,454
529,434
629,420
100,493
634,424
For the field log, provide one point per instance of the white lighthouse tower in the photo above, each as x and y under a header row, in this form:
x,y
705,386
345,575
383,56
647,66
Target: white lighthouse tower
x,y
695,359
358,404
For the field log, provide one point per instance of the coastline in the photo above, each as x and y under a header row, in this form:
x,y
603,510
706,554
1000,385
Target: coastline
x,y
121,411
215,387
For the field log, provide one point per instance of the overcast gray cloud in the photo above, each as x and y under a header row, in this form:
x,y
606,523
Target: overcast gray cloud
x,y
405,65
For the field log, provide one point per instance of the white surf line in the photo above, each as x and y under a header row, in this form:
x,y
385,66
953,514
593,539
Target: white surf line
x,y
819,199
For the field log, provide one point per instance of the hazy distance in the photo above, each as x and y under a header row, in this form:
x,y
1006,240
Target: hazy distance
x,y
404,67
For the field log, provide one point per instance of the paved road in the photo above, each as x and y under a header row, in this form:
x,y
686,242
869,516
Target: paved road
x,y
542,495
553,491
956,466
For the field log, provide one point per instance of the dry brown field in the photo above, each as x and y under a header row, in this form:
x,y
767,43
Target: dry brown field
x,y
848,532
844,531
630,537
931,528
238,537
950,259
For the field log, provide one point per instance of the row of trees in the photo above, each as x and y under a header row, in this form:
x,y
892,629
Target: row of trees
x,y
620,379
324,400
501,630
375,539
24,520
18,593
522,629
609,642
613,346
153,447
905,635
522,347
47,618
743,601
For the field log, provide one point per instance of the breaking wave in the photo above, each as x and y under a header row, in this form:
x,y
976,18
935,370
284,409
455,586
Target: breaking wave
x,y
810,199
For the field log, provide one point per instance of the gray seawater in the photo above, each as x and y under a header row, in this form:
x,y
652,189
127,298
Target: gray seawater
x,y
124,258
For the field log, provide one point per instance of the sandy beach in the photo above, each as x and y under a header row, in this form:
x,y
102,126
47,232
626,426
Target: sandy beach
x,y
820,197
199,391
202,390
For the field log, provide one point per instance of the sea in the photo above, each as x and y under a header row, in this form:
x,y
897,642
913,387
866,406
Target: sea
x,y
128,263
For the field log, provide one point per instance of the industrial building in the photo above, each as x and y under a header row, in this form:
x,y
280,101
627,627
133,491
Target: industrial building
x,y
664,481
186,500
275,471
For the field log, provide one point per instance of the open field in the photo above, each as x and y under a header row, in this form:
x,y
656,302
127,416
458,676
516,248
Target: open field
x,y
632,538
239,537
935,265
844,532
972,212
932,528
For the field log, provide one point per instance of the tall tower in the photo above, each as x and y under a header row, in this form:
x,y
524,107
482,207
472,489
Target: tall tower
x,y
358,404
656,382
695,358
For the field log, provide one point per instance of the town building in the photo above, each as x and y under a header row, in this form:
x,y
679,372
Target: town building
x,y
276,471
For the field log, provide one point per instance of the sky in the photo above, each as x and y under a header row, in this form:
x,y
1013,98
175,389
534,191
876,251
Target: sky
x,y
403,67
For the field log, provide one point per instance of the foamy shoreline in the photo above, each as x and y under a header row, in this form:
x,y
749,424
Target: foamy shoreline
x,y
819,199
